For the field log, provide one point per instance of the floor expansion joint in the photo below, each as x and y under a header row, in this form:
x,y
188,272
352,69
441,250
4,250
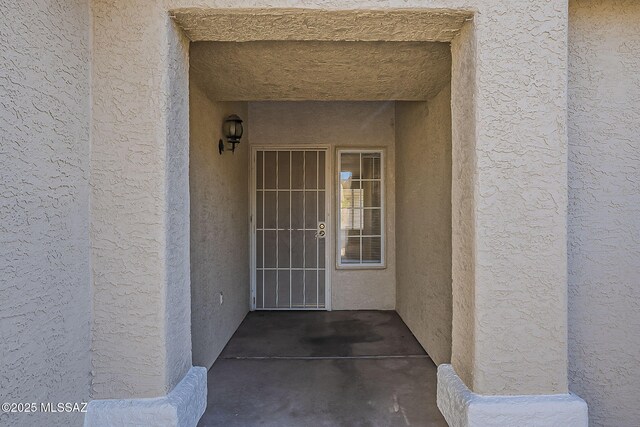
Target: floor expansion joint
x,y
407,356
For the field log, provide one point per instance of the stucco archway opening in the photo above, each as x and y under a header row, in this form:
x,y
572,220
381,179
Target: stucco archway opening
x,y
334,79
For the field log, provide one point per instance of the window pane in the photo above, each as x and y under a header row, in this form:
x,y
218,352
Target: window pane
x,y
351,195
351,219
372,194
371,165
371,250
349,249
372,223
350,166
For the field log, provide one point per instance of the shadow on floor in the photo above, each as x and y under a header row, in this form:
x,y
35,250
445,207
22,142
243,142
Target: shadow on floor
x,y
339,368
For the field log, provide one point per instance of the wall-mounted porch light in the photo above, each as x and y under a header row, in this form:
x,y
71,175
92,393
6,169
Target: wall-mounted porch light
x,y
232,131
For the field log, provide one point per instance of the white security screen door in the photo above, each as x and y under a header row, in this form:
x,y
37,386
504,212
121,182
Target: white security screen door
x,y
289,229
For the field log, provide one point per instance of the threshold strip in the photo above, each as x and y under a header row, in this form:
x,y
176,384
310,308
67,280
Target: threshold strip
x,y
401,356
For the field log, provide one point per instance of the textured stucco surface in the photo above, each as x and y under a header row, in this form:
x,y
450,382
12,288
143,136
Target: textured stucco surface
x,y
463,130
371,12
181,407
510,294
141,345
509,273
219,227
516,257
341,124
521,203
463,408
604,208
177,304
240,25
44,207
423,221
321,71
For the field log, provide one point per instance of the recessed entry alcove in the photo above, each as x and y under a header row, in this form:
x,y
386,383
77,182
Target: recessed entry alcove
x,y
339,195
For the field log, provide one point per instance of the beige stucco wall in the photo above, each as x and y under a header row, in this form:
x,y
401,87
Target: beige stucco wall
x,y
45,304
515,261
463,130
423,221
177,304
341,124
510,196
604,208
141,341
219,227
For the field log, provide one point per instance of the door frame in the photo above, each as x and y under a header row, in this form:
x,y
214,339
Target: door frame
x,y
328,201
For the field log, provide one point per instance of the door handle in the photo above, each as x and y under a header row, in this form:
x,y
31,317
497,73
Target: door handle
x,y
321,231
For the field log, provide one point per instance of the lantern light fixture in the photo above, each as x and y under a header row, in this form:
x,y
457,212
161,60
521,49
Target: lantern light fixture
x,y
232,131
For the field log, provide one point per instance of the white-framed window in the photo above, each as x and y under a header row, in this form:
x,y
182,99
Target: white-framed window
x,y
360,201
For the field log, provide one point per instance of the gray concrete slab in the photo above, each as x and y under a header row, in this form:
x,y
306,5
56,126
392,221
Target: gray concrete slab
x,y
336,392
322,333
322,369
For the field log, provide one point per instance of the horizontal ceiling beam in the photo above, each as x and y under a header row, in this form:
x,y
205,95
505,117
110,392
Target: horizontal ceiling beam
x,y
242,25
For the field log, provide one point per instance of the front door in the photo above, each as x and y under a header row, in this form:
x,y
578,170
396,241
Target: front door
x,y
289,229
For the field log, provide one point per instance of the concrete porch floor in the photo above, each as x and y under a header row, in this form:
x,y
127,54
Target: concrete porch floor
x,y
340,368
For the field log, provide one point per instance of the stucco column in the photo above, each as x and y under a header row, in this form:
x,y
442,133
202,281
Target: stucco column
x,y
141,340
509,243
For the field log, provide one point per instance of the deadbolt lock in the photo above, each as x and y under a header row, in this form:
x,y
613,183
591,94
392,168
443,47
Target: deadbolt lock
x,y
320,232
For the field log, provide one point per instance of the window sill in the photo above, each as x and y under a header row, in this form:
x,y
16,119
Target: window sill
x,y
361,267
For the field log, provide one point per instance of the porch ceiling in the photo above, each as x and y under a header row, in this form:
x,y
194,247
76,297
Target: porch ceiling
x,y
316,70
